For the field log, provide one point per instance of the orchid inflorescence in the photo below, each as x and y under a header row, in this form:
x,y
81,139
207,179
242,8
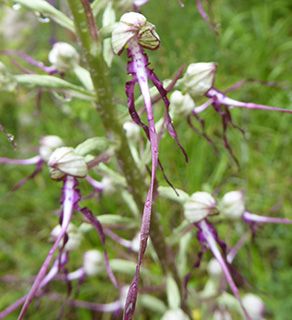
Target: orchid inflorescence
x,y
201,210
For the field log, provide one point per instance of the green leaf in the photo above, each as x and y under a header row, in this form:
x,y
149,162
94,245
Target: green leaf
x,y
44,8
51,82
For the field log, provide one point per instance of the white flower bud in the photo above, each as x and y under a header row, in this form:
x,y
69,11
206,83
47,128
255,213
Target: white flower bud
x,y
175,314
232,205
199,206
108,186
181,104
214,268
123,295
199,78
63,56
7,81
133,24
132,130
64,161
221,315
136,243
93,262
48,144
254,306
74,237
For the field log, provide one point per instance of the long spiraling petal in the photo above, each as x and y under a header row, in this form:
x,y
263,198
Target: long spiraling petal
x,y
68,208
98,226
212,243
139,69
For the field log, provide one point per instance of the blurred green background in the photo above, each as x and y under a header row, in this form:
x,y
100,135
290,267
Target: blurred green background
x,y
254,41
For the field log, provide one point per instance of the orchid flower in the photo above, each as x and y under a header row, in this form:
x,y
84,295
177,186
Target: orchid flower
x,y
198,81
135,32
66,164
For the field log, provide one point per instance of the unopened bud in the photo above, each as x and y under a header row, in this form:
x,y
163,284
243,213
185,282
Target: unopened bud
x,y
221,315
175,314
181,104
199,78
7,81
93,262
48,144
132,130
214,268
63,56
131,25
254,306
74,237
64,161
199,206
232,205
123,295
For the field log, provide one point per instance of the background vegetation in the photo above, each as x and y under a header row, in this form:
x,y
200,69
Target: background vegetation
x,y
254,42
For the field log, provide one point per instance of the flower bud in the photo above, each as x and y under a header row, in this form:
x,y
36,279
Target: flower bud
x,y
232,205
175,314
64,161
74,237
132,130
133,24
93,262
123,295
221,315
214,268
48,144
199,78
108,186
181,104
254,306
63,56
7,81
199,206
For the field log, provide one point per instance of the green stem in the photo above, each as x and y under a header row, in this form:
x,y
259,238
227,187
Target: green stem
x,y
104,104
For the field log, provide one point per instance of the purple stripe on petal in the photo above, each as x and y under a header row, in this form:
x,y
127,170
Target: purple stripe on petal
x,y
68,208
98,226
